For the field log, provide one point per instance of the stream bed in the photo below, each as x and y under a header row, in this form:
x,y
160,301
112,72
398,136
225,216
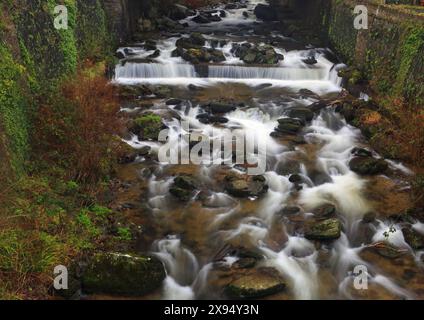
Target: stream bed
x,y
324,205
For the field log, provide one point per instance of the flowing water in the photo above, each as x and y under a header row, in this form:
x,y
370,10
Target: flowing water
x,y
195,239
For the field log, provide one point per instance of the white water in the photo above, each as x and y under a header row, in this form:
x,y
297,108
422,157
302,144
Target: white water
x,y
296,259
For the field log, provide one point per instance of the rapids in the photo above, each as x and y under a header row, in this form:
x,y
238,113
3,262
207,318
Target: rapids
x,y
192,239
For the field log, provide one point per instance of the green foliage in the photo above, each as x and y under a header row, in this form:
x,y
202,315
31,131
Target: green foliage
x,y
12,108
124,234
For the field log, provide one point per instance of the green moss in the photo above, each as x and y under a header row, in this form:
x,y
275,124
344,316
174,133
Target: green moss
x,y
12,108
149,126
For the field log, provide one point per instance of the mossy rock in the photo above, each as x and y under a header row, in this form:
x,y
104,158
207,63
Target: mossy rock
x,y
183,187
123,274
368,165
329,229
289,126
148,126
257,284
413,238
252,186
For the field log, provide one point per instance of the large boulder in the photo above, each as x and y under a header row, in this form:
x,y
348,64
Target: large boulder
x,y
368,165
123,274
241,187
265,12
256,284
329,229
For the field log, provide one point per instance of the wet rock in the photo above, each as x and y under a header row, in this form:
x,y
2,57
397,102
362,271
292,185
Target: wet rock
x,y
319,177
173,102
195,41
296,179
202,19
265,12
123,274
326,230
206,118
289,126
303,113
360,152
219,107
386,250
308,94
368,165
154,54
325,211
413,238
183,187
251,186
287,167
245,14
180,12
263,54
310,61
231,6
369,217
290,210
259,283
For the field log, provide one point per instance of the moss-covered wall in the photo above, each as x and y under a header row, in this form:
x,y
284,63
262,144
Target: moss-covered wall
x,y
35,58
390,51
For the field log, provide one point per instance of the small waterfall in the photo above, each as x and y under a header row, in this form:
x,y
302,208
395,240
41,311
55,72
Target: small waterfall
x,y
181,264
133,70
272,73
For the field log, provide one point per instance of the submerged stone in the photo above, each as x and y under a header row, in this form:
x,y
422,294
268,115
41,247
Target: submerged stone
x,y
259,283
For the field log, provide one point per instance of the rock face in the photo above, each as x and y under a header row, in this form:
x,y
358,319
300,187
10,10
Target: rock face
x,y
368,165
265,13
183,187
243,188
122,274
327,230
259,283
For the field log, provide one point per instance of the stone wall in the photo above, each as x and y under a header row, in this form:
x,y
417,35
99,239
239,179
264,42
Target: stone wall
x,y
390,53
